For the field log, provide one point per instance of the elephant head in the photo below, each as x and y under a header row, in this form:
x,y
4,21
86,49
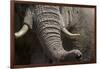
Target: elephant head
x,y
48,25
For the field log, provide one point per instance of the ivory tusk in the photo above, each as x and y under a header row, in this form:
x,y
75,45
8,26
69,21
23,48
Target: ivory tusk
x,y
22,31
68,33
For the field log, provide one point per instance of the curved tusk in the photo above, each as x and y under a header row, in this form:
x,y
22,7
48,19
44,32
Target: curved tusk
x,y
22,31
68,33
65,30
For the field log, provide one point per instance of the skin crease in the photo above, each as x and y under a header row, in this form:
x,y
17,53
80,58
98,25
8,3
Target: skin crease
x,y
50,52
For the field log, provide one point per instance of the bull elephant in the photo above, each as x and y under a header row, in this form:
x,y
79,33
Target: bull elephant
x,y
49,22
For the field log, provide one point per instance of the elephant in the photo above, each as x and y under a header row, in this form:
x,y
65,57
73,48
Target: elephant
x,y
49,22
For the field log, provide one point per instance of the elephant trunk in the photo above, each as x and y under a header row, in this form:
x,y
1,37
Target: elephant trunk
x,y
49,31
48,28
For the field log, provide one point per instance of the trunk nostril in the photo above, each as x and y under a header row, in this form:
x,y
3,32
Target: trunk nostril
x,y
79,56
72,57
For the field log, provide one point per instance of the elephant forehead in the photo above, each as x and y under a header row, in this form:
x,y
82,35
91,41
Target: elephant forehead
x,y
48,16
46,8
74,16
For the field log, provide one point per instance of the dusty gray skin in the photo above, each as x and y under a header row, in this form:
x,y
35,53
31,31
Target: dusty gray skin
x,y
48,25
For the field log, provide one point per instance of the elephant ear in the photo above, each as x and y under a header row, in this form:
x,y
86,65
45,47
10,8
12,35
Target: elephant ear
x,y
74,16
28,19
65,14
